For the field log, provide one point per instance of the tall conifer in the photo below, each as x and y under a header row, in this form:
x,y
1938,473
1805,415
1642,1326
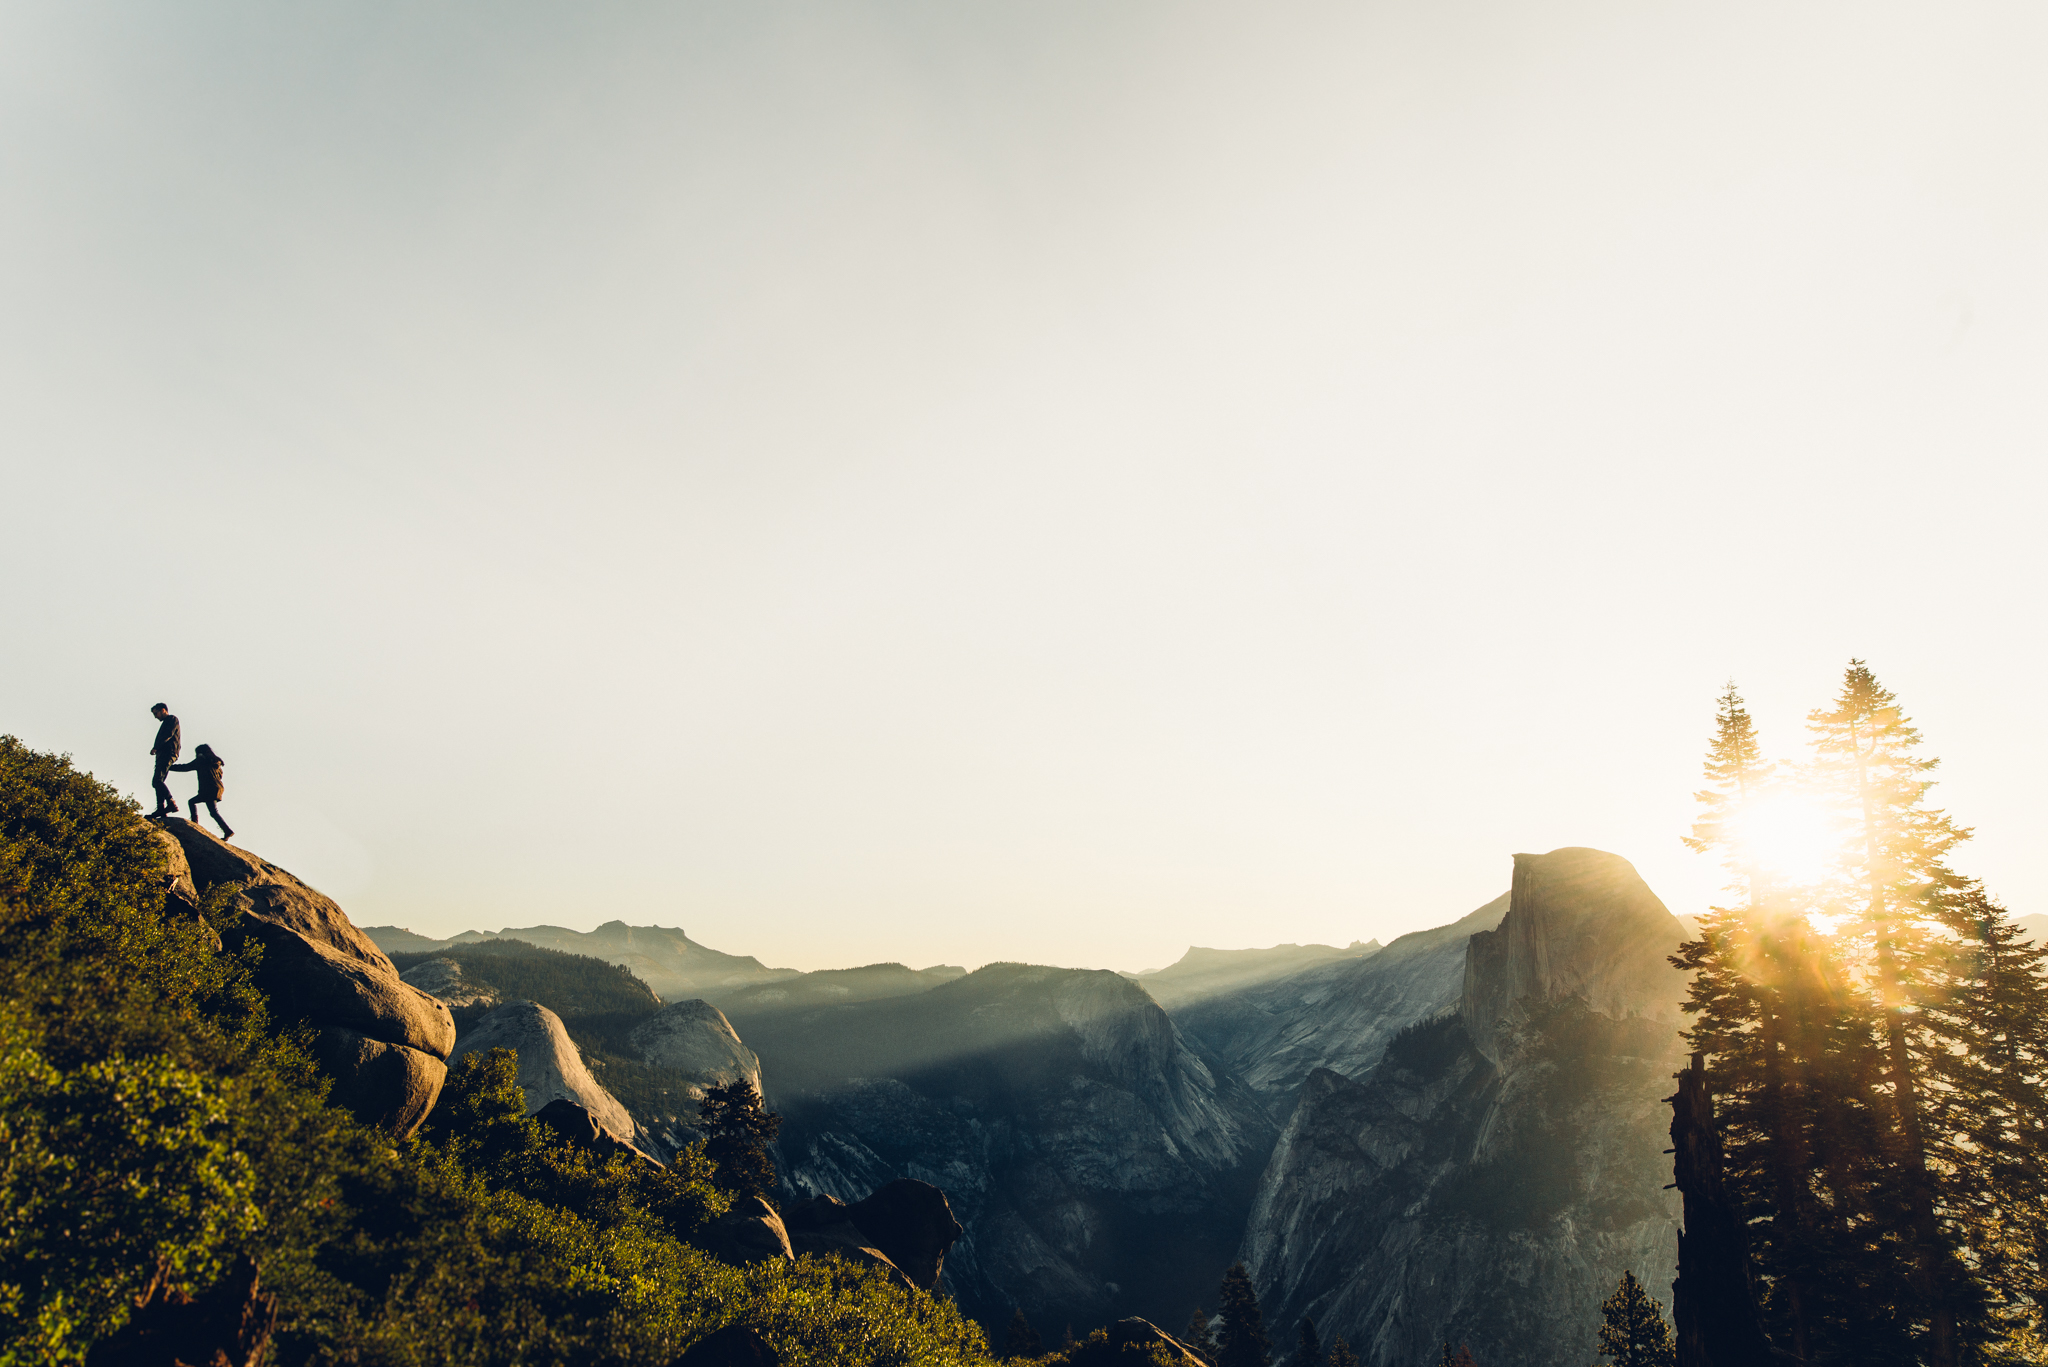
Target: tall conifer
x,y
1633,1332
1895,882
1754,981
1308,1345
1243,1342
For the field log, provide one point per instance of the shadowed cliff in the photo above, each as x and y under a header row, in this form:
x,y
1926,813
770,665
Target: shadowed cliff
x,y
1490,1180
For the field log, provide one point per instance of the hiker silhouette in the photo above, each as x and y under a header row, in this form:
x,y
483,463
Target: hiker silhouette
x,y
164,751
208,766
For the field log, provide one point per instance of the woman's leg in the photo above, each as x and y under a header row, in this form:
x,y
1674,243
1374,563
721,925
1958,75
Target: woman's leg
x,y
191,810
214,812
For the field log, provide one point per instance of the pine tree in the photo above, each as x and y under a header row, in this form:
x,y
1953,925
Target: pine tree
x,y
1878,1044
1201,1341
1756,991
1243,1341
1341,1354
1988,1118
1021,1340
740,1130
1632,1328
1895,881
1308,1346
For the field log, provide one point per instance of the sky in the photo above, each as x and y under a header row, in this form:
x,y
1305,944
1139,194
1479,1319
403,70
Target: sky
x,y
1052,482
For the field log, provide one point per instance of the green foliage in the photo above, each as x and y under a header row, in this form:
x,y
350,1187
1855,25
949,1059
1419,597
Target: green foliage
x,y
1097,1351
113,1166
153,1125
1632,1328
1242,1343
482,1125
739,1130
1199,1338
1341,1354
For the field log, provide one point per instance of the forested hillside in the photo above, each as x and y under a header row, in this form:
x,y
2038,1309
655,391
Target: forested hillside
x,y
171,1165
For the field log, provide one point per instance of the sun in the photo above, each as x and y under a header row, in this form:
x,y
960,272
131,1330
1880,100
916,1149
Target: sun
x,y
1788,835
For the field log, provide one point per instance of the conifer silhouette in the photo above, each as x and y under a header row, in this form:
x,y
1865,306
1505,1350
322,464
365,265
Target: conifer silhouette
x,y
1632,1328
1021,1340
1308,1346
1243,1342
740,1129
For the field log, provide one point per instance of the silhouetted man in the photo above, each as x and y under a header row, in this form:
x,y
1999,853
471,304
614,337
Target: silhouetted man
x,y
168,743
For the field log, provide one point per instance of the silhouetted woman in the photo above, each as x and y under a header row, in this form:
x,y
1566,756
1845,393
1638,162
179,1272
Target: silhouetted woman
x,y
207,764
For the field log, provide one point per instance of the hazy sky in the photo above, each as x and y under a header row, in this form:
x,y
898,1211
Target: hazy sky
x,y
1044,481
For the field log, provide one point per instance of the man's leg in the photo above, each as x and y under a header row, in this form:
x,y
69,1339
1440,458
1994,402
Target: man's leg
x,y
164,801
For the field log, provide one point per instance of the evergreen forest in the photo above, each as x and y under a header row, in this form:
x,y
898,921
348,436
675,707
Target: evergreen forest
x,y
1875,1031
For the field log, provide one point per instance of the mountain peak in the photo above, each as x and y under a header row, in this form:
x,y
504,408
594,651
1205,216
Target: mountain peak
x,y
1580,923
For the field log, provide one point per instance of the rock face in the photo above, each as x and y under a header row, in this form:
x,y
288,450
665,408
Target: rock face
x,y
1098,1165
384,1042
444,980
550,1065
1492,1177
694,1039
1338,1015
1581,924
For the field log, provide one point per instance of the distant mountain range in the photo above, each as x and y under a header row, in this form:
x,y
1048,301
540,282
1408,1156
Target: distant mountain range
x,y
1203,973
667,960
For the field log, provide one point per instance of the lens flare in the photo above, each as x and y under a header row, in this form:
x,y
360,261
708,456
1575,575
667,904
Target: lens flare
x,y
1788,835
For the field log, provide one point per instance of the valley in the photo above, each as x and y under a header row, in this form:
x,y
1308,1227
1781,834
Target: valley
x,y
1455,1135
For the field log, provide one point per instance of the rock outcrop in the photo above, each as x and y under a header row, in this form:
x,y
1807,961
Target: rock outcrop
x,y
911,1222
820,1226
1490,1180
384,1042
444,980
1097,1164
573,1123
750,1232
696,1041
906,1226
551,1067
